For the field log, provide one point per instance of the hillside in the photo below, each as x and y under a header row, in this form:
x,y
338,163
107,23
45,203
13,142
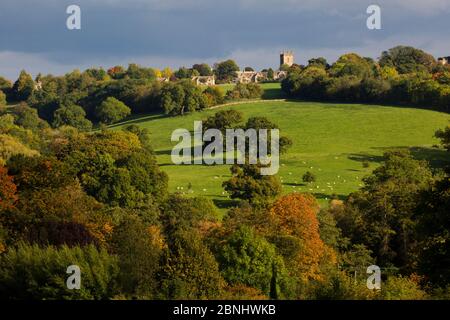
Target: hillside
x,y
330,140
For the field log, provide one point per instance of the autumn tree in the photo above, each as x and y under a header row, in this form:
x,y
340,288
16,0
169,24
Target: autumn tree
x,y
189,269
8,190
117,72
293,218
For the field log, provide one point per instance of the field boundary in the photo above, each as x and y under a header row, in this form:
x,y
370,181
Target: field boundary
x,y
245,102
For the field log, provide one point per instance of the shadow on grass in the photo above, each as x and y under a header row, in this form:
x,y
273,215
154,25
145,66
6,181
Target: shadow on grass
x,y
295,184
139,118
361,157
225,203
273,93
323,196
167,152
438,158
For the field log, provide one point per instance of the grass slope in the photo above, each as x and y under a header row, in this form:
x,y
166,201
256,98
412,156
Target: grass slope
x,y
330,140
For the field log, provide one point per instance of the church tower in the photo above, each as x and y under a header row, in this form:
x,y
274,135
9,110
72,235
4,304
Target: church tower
x,y
286,57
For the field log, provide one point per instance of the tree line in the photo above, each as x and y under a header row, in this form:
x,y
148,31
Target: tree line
x,y
83,99
401,76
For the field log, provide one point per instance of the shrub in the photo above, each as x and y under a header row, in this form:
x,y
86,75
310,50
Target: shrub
x,y
309,177
402,288
245,91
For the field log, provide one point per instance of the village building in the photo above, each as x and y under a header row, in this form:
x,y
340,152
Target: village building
x,y
204,80
286,58
444,60
250,76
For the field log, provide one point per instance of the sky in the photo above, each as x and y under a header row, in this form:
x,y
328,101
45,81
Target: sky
x,y
174,33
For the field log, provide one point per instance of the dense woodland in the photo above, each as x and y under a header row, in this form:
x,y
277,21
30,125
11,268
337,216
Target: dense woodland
x,y
402,76
73,191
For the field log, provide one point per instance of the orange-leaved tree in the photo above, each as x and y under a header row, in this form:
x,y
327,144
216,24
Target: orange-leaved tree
x,y
8,190
293,220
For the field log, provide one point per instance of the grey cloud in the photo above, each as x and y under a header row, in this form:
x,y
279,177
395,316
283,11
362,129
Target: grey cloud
x,y
173,32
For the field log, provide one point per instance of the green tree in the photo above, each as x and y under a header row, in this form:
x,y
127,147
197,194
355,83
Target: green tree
x,y
180,97
135,71
226,71
138,254
318,62
112,110
270,74
71,115
222,120
352,64
28,118
309,83
248,259
146,177
2,100
434,225
214,95
248,184
5,85
29,272
24,86
245,91
444,135
407,60
203,69
386,207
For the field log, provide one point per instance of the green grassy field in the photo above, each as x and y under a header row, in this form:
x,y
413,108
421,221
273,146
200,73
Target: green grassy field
x,y
330,140
271,90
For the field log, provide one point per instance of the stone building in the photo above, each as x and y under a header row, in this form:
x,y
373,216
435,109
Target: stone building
x,y
204,80
286,57
444,60
250,76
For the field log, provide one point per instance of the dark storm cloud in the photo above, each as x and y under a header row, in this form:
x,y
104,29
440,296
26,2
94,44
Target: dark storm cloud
x,y
188,30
